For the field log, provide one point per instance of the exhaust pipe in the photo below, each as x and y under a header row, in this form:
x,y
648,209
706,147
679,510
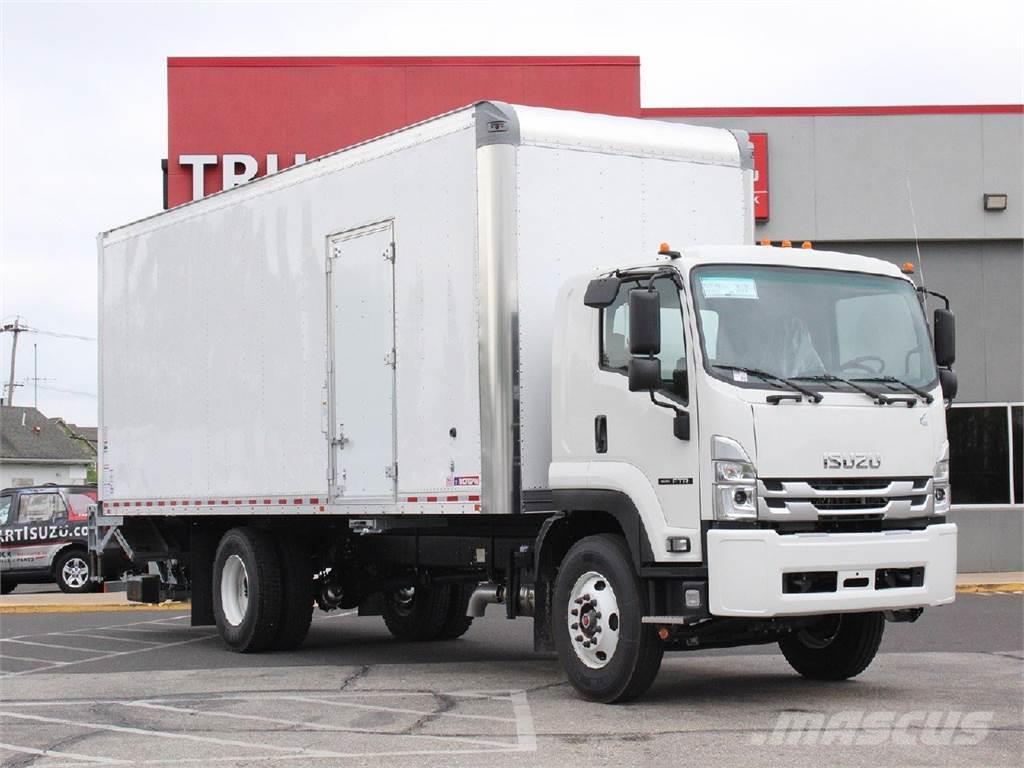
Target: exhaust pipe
x,y
490,593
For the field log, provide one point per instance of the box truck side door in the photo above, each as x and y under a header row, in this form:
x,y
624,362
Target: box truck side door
x,y
362,362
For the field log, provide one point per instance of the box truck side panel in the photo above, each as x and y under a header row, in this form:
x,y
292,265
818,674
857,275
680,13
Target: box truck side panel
x,y
215,354
614,209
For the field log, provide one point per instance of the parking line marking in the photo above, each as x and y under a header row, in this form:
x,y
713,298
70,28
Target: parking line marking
x,y
55,645
310,725
168,734
398,710
26,658
107,655
119,639
56,753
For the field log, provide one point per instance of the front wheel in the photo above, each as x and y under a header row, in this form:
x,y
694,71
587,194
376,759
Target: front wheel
x,y
72,573
835,647
609,654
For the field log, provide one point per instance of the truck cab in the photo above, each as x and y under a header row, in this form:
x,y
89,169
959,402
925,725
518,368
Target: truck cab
x,y
776,418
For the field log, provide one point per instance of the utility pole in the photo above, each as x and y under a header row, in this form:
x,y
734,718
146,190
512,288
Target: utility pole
x,y
16,327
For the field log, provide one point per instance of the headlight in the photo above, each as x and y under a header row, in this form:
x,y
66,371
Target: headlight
x,y
735,481
734,471
940,486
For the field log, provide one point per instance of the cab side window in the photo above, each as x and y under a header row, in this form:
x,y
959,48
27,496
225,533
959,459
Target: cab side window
x,y
615,330
40,508
5,509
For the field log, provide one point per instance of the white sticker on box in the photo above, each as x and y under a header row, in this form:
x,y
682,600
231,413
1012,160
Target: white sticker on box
x,y
728,287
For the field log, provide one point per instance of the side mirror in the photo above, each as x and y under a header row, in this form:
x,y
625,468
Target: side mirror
x,y
948,383
644,374
644,322
944,334
681,384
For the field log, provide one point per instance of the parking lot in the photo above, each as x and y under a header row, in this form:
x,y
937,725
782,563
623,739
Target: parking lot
x,y
145,688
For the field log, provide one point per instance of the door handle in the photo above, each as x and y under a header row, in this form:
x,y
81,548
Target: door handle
x,y
601,434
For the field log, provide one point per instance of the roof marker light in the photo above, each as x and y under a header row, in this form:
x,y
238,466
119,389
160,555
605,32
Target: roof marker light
x,y
806,244
907,268
766,241
664,250
786,244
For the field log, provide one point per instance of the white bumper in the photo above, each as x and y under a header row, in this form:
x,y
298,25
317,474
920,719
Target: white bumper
x,y
746,567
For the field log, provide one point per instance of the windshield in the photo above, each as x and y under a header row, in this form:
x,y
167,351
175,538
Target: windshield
x,y
796,323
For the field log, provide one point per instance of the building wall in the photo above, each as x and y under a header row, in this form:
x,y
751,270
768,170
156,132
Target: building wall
x,y
39,474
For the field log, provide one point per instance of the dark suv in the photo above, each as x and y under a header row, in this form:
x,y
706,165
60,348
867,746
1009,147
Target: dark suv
x,y
43,535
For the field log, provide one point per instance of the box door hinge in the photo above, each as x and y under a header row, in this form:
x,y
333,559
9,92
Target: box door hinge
x,y
391,471
389,253
391,358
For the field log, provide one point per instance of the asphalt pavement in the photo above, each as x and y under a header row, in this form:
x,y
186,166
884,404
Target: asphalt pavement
x,y
145,688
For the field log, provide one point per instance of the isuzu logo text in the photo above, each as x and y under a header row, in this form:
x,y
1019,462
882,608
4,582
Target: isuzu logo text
x,y
851,460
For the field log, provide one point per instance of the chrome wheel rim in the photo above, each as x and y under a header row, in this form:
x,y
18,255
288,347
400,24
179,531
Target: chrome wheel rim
x,y
234,590
75,572
593,620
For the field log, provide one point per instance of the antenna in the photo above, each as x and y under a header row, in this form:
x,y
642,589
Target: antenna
x,y
917,243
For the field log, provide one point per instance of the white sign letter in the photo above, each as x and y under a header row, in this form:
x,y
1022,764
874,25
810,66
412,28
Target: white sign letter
x,y
198,163
231,177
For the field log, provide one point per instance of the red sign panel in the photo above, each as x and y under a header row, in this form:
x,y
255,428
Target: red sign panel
x,y
230,120
760,142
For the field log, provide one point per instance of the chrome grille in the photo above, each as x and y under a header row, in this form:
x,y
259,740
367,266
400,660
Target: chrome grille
x,y
837,498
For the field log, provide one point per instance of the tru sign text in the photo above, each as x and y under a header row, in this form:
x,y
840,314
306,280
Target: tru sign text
x,y
235,169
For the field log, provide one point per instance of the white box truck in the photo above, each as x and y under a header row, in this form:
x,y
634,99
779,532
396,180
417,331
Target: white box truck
x,y
460,365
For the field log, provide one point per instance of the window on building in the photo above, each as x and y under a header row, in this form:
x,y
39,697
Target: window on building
x,y
1017,451
979,454
40,507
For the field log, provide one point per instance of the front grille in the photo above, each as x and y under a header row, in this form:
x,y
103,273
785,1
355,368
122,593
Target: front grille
x,y
837,498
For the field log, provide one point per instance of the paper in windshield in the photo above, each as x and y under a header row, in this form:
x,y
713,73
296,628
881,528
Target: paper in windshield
x,y
728,287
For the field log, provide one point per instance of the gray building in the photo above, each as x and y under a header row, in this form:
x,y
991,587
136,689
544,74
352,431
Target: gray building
x,y
909,184
35,450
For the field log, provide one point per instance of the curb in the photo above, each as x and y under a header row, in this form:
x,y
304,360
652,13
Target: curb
x,y
1006,586
93,608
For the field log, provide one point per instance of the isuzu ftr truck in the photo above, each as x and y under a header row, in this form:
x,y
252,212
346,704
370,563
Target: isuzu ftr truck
x,y
482,361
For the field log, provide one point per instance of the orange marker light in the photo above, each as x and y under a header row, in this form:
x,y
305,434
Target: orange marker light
x,y
664,248
786,244
907,268
663,633
806,244
766,241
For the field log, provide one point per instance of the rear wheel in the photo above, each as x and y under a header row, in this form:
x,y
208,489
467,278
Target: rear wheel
x,y
457,623
247,590
296,593
7,585
72,572
835,647
417,613
606,650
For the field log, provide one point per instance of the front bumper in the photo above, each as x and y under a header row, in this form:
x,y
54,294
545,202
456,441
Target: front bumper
x,y
747,568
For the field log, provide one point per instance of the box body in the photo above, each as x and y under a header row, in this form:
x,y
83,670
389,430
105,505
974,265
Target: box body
x,y
370,332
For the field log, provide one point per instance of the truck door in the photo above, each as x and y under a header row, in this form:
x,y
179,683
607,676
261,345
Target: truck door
x,y
360,268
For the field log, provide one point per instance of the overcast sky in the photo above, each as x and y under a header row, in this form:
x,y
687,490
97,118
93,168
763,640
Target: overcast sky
x,y
84,114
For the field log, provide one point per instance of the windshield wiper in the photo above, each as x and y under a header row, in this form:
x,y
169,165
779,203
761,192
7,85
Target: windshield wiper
x,y
814,397
893,380
880,398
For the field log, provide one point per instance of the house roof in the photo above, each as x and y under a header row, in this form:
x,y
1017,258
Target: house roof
x,y
27,434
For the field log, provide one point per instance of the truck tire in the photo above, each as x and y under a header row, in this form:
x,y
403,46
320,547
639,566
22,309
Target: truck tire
x,y
457,623
247,590
837,647
607,652
7,586
417,613
72,573
296,593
